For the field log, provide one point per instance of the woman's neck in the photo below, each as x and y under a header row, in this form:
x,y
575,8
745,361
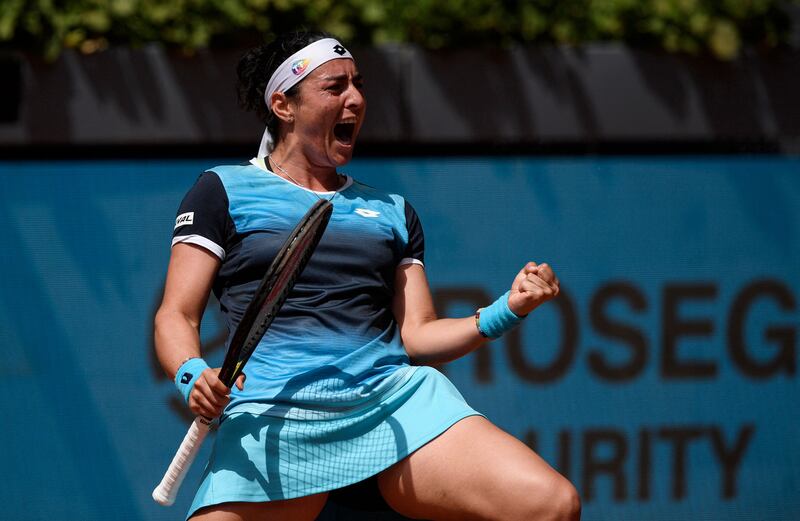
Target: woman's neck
x,y
296,168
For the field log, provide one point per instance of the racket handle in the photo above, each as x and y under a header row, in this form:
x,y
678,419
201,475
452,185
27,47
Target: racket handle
x,y
166,491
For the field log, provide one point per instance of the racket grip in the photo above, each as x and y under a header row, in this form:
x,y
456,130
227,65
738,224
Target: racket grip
x,y
166,491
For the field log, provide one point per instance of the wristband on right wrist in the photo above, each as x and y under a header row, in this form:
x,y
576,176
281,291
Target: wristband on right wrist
x,y
497,318
188,373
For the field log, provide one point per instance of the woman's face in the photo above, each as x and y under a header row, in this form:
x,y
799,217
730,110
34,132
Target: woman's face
x,y
329,111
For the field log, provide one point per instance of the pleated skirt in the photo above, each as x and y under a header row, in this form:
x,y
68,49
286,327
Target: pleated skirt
x,y
268,457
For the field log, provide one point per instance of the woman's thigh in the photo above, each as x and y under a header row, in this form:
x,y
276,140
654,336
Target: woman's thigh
x,y
300,509
474,470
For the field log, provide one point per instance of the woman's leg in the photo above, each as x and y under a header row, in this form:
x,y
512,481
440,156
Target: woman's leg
x,y
301,509
474,470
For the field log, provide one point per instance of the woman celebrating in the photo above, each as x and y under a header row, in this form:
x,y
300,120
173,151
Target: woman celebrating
x,y
332,397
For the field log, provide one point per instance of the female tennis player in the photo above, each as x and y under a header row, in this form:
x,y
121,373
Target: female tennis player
x,y
339,389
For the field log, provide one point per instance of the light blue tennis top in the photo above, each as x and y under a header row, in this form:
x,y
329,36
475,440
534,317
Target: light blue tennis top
x,y
335,346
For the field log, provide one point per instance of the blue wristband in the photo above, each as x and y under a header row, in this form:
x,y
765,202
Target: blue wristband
x,y
497,318
187,375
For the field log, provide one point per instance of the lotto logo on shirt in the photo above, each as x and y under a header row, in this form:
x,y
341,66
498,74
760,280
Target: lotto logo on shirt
x,y
363,212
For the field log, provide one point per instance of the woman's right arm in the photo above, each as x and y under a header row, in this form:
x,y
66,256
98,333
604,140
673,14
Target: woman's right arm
x,y
190,276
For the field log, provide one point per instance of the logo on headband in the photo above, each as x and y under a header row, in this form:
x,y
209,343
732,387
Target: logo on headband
x,y
338,49
299,66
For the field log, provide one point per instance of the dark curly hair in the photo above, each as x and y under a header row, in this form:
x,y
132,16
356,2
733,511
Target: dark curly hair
x,y
257,65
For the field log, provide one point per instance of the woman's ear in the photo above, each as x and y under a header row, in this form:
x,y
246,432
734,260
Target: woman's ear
x,y
281,107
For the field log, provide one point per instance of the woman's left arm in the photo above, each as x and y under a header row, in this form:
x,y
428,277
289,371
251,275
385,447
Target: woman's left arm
x,y
432,340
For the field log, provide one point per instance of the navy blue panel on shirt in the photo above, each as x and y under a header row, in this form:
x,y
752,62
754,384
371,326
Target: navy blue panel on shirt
x,y
416,239
203,216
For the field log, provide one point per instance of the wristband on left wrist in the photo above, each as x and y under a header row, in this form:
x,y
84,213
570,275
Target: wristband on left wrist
x,y
478,323
497,318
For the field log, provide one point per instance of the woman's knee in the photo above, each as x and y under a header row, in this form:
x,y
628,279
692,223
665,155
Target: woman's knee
x,y
557,500
569,502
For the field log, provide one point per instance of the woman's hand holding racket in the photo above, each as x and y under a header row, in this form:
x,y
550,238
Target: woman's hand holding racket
x,y
210,396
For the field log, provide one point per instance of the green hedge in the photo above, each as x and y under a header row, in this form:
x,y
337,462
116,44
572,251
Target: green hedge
x,y
718,27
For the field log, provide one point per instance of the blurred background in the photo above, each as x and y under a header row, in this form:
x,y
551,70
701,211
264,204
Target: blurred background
x,y
649,150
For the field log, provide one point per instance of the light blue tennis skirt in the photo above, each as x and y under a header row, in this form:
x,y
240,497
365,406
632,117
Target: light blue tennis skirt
x,y
266,458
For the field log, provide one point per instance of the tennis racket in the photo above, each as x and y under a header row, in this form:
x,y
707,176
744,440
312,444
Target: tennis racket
x,y
267,301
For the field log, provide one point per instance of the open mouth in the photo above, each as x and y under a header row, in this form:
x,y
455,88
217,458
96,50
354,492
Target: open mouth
x,y
344,132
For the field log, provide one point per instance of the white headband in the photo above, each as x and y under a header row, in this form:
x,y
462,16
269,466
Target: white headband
x,y
293,70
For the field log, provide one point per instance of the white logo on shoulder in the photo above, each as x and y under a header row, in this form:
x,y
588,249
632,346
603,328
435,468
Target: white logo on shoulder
x,y
363,212
184,219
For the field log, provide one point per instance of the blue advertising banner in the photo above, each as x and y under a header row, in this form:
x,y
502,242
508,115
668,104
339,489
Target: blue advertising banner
x,y
662,382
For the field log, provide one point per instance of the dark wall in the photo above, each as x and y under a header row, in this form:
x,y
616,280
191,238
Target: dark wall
x,y
599,95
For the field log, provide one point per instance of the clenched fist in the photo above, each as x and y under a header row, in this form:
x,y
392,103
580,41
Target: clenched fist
x,y
535,284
